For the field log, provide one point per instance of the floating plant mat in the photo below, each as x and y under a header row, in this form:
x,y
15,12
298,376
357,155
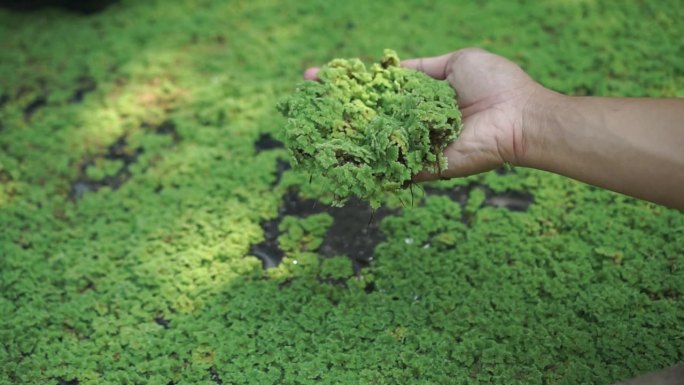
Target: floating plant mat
x,y
139,160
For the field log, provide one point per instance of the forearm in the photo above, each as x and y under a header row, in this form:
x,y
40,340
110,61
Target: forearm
x,y
632,146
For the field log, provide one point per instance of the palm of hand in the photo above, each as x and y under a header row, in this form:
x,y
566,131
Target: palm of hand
x,y
492,94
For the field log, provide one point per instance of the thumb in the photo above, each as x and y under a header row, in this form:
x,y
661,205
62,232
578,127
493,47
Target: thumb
x,y
311,73
436,67
464,157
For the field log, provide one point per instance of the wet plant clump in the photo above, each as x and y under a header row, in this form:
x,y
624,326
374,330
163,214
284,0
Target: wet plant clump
x,y
367,131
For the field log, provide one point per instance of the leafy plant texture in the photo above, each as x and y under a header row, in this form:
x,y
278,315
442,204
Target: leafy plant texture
x,y
134,194
366,131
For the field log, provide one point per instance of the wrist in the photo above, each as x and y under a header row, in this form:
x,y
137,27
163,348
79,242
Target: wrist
x,y
543,117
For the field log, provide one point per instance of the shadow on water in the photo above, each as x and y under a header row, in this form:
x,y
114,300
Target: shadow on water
x,y
85,7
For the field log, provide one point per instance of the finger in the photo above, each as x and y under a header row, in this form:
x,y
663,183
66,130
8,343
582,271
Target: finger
x,y
460,164
311,73
435,67
465,157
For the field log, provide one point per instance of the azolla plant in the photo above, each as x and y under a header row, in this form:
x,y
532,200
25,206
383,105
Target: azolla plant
x,y
367,131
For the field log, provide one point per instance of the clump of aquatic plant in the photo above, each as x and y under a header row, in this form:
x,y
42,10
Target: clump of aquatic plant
x,y
368,130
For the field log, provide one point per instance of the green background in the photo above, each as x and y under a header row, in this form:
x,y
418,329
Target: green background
x,y
131,193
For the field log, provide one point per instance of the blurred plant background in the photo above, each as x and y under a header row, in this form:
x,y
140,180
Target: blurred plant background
x,y
143,191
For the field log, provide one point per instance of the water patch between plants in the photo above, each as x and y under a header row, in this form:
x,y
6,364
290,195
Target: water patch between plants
x,y
354,232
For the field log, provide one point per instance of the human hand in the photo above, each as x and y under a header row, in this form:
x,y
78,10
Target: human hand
x,y
629,145
493,94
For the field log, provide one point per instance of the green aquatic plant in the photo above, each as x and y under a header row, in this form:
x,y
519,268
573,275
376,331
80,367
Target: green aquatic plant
x,y
132,190
303,234
367,131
